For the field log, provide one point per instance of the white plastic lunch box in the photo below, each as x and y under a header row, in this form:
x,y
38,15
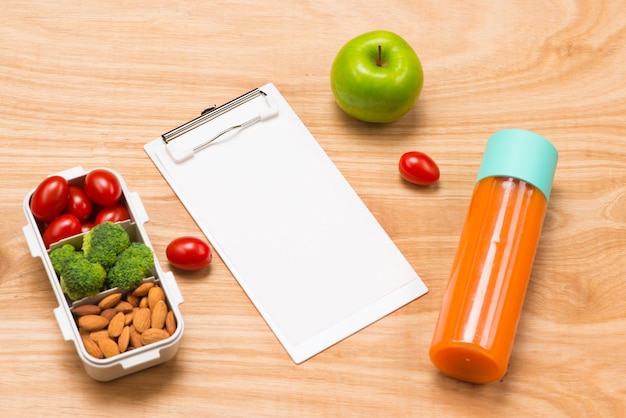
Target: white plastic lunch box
x,y
130,361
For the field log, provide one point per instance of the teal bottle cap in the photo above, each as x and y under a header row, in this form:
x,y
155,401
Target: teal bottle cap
x,y
520,154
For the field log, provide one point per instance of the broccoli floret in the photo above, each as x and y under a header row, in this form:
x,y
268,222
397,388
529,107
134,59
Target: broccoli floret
x,y
104,242
62,256
79,278
131,267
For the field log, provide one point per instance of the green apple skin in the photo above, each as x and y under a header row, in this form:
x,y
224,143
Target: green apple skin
x,y
371,92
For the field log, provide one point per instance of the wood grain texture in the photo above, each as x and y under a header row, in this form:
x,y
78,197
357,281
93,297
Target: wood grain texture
x,y
88,83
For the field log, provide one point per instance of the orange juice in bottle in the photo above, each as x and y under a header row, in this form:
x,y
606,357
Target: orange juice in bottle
x,y
483,301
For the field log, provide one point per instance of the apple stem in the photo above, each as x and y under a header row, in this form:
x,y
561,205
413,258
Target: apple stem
x,y
379,60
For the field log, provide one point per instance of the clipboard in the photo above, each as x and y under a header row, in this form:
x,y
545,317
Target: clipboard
x,y
295,235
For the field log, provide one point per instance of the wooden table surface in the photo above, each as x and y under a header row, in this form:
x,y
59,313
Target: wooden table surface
x,y
89,83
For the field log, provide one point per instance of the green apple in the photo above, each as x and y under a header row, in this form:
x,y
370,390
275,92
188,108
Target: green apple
x,y
376,77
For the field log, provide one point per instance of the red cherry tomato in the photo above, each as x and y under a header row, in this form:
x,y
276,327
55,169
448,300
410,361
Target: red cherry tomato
x,y
61,227
86,226
103,187
418,168
79,204
49,198
189,253
115,213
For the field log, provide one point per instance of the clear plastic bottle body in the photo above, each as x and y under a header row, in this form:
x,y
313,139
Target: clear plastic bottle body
x,y
482,304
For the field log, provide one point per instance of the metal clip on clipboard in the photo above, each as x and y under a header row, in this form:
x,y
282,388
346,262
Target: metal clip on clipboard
x,y
186,148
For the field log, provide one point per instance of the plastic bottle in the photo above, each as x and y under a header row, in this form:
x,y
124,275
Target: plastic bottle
x,y
483,301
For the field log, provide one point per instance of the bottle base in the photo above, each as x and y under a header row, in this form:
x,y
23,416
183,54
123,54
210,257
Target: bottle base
x,y
467,363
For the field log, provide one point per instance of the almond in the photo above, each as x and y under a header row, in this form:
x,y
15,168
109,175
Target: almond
x,y
116,325
86,310
123,306
124,339
159,312
142,289
91,347
142,318
154,295
128,318
132,299
152,335
143,302
135,338
170,323
98,335
109,347
92,322
110,301
108,313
